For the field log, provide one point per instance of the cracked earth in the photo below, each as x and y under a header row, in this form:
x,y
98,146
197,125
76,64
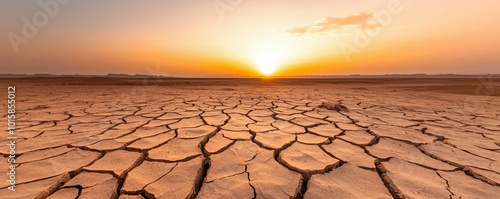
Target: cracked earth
x,y
239,139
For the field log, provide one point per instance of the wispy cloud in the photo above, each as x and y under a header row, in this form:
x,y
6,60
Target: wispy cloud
x,y
327,24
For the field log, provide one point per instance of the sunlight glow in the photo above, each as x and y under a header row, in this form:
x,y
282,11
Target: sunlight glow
x,y
267,63
268,56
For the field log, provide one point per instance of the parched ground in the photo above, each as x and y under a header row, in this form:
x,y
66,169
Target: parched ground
x,y
251,138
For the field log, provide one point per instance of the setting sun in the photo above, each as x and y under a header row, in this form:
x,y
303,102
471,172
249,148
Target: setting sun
x,y
228,39
267,63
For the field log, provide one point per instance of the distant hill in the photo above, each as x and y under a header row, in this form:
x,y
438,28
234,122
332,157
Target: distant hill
x,y
113,75
419,75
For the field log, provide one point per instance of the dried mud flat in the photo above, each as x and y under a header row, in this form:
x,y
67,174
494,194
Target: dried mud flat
x,y
179,138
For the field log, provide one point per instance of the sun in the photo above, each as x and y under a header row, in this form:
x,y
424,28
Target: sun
x,y
268,56
267,63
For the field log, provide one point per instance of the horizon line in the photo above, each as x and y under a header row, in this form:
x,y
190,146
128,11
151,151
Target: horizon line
x,y
236,76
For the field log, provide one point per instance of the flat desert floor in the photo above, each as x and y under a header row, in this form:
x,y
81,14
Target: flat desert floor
x,y
254,138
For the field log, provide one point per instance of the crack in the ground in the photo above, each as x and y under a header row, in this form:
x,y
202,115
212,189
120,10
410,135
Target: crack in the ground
x,y
389,184
447,185
242,106
303,185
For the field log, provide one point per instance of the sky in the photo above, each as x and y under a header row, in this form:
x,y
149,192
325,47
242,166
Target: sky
x,y
249,38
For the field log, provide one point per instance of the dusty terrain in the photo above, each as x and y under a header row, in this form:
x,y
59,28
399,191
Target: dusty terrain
x,y
252,138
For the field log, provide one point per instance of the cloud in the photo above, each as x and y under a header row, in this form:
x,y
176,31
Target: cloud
x,y
335,23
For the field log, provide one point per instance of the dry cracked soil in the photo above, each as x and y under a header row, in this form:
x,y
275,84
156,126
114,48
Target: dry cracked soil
x,y
254,138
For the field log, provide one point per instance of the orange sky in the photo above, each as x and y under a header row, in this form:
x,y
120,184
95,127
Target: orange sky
x,y
196,38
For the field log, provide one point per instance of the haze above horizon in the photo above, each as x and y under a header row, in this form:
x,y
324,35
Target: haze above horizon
x,y
249,38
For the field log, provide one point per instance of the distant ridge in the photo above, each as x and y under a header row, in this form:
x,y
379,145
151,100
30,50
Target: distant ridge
x,y
111,75
230,76
417,75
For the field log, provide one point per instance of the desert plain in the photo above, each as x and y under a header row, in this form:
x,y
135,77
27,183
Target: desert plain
x,y
254,138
